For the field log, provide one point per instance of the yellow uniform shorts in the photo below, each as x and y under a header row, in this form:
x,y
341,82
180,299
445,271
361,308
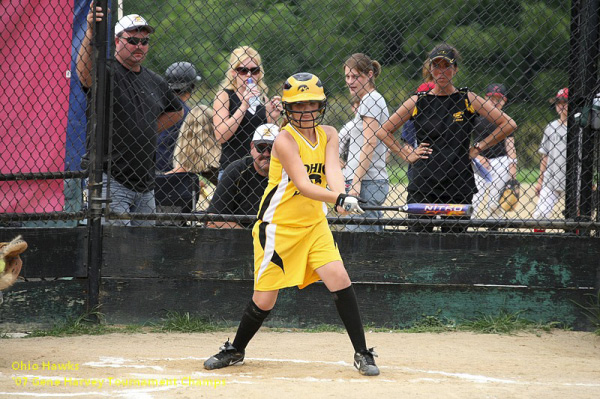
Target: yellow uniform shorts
x,y
289,256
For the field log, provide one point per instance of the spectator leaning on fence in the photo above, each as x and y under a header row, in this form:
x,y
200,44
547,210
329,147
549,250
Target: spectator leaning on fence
x,y
500,160
182,78
236,118
365,172
443,118
143,104
552,181
242,185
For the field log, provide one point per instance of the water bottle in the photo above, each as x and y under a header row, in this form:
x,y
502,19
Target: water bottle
x,y
254,100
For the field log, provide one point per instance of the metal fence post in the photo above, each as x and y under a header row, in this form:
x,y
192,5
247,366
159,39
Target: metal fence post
x,y
98,128
590,81
575,102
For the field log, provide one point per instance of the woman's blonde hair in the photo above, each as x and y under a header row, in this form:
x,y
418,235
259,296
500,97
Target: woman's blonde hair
x,y
197,149
427,76
235,59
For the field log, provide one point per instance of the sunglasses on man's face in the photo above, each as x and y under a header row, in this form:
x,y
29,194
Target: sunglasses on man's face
x,y
136,41
263,147
245,71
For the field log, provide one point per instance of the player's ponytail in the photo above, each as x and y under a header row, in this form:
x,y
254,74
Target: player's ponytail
x,y
376,69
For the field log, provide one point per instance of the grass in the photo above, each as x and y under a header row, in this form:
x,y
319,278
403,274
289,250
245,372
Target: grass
x,y
321,328
432,324
591,309
84,324
506,323
92,323
397,174
186,323
502,323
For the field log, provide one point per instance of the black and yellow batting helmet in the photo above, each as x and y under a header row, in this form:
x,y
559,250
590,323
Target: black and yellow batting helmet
x,y
303,87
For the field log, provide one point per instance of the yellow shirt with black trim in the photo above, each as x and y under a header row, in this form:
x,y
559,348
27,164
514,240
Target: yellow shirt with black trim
x,y
282,202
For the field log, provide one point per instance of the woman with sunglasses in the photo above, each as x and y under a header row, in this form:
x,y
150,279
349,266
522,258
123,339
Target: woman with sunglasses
x,y
235,120
293,245
444,120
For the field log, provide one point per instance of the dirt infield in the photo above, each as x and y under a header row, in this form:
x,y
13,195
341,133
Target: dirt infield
x,y
560,364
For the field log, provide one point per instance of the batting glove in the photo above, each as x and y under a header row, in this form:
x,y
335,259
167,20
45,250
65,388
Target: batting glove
x,y
350,203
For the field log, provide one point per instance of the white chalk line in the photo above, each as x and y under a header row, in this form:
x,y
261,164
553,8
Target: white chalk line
x,y
464,376
117,362
131,393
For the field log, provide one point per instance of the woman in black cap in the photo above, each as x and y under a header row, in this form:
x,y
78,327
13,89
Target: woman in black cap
x,y
444,118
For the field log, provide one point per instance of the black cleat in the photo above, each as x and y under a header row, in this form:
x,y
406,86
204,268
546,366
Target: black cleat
x,y
228,356
364,361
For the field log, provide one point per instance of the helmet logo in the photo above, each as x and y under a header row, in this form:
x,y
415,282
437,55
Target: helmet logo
x,y
303,88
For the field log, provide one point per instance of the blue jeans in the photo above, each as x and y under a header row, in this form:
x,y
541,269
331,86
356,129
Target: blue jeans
x,y
124,200
374,192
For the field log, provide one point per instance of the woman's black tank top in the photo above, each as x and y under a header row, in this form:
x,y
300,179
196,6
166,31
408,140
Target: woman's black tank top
x,y
446,123
238,146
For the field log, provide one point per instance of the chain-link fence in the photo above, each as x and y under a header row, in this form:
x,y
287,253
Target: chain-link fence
x,y
488,104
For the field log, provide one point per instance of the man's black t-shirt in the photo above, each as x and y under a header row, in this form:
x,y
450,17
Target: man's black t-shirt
x,y
484,128
138,100
238,146
240,190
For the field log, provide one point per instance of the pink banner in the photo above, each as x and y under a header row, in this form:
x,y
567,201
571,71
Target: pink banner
x,y
35,57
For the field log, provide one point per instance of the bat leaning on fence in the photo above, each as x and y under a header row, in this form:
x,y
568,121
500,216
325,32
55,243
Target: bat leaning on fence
x,y
426,209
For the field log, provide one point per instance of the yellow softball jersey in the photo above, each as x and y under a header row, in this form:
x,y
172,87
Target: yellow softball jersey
x,y
282,203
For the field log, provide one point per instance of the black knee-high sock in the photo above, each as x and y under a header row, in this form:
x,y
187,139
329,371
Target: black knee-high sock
x,y
347,307
252,319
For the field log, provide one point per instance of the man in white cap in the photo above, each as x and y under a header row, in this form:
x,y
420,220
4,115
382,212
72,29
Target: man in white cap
x,y
143,104
244,181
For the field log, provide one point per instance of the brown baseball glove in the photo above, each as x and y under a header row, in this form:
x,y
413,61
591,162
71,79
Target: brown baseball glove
x,y
510,196
10,261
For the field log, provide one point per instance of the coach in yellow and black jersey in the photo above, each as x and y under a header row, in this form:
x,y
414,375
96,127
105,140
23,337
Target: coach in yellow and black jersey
x,y
293,245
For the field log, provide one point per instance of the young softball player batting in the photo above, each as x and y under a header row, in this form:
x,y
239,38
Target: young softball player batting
x,y
293,245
